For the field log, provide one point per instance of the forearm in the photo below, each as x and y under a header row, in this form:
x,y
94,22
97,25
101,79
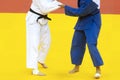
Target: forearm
x,y
84,10
47,7
52,6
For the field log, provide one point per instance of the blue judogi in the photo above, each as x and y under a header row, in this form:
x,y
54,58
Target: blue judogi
x,y
86,31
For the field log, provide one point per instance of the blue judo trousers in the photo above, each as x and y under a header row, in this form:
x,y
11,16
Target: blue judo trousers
x,y
87,30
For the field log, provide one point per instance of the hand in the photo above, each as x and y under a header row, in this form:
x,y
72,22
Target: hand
x,y
62,5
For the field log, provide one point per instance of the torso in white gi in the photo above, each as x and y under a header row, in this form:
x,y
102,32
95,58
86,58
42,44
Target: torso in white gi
x,y
37,33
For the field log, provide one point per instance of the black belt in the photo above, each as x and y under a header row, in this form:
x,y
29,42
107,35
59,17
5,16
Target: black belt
x,y
40,15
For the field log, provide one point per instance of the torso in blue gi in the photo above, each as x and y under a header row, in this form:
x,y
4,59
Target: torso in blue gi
x,y
87,12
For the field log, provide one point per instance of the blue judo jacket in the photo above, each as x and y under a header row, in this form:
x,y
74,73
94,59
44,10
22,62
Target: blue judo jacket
x,y
87,13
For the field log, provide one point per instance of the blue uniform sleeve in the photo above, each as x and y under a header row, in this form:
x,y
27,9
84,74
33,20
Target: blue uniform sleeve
x,y
85,9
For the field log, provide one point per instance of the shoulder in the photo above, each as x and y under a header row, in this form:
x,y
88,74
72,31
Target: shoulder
x,y
85,1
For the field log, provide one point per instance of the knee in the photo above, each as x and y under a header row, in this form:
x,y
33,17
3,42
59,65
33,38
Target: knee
x,y
81,45
94,44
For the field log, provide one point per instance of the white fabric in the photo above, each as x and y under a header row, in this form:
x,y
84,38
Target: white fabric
x,y
37,33
45,6
38,41
97,2
42,21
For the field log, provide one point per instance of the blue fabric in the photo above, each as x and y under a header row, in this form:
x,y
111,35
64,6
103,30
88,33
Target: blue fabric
x,y
86,31
78,47
86,13
85,7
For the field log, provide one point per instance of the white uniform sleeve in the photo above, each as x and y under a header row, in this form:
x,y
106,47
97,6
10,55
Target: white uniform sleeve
x,y
47,6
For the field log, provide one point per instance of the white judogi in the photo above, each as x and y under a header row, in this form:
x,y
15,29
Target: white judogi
x,y
37,33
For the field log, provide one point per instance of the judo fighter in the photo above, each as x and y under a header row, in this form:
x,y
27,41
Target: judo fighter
x,y
38,34
87,30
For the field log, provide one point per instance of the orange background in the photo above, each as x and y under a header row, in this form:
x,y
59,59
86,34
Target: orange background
x,y
13,43
22,6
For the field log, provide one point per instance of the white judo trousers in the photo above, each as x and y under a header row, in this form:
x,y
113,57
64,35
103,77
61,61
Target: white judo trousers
x,y
37,33
38,41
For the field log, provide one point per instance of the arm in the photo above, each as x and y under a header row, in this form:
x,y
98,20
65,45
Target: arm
x,y
85,9
48,6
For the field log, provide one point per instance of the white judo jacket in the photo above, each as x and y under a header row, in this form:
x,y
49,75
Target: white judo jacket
x,y
37,33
